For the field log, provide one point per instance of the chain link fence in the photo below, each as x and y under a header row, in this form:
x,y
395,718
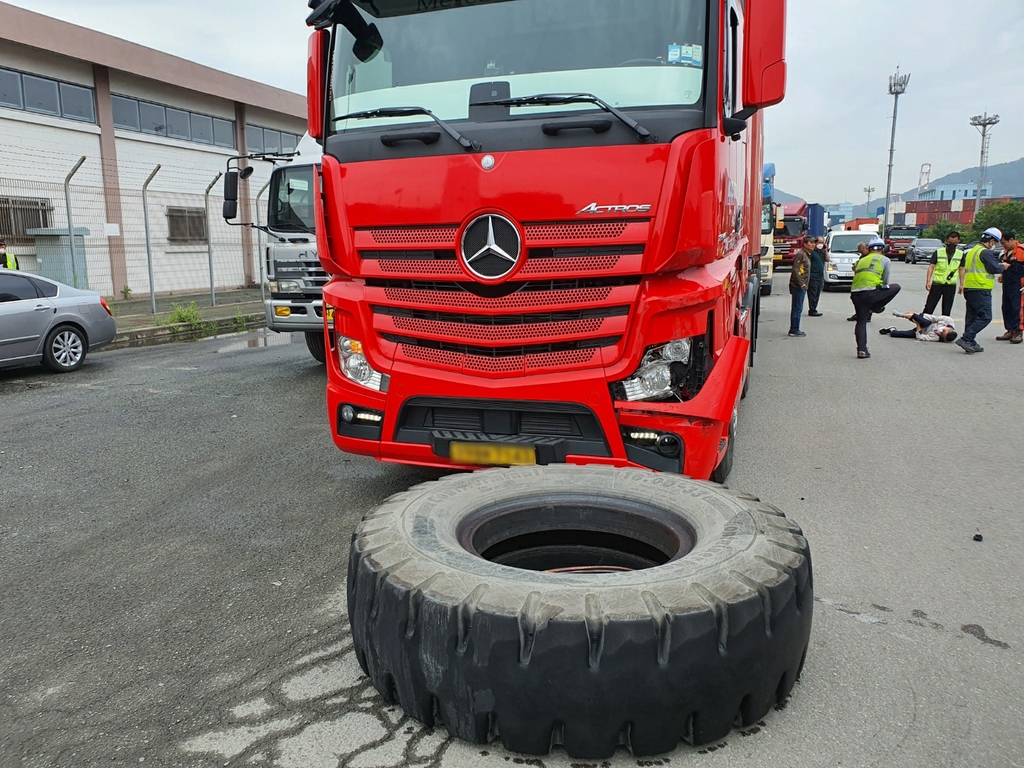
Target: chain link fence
x,y
190,246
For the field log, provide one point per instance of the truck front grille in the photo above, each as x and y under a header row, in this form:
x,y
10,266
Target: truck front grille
x,y
572,297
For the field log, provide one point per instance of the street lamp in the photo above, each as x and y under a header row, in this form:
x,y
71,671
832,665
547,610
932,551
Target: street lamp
x,y
869,191
897,87
983,123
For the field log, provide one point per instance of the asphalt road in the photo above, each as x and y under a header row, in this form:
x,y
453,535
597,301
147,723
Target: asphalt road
x,y
174,524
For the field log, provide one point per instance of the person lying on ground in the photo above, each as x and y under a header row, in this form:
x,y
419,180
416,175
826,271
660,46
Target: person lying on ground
x,y
928,328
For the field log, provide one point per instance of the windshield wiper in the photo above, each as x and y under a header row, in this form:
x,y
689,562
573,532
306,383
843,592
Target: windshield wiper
x,y
571,98
409,112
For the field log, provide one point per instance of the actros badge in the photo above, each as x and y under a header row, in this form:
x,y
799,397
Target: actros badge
x,y
594,208
491,246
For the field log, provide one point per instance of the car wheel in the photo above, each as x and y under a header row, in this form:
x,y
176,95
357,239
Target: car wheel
x,y
588,607
315,345
65,349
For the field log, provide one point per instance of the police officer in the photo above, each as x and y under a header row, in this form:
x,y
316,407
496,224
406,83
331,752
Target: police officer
x,y
7,260
870,291
942,276
977,279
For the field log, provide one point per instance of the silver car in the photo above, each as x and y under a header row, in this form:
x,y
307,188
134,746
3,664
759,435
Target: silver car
x,y
43,321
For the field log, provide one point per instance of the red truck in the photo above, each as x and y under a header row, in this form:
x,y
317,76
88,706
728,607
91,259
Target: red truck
x,y
898,240
541,219
790,229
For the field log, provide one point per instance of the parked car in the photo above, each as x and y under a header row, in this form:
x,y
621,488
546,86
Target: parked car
x,y
842,254
922,250
43,321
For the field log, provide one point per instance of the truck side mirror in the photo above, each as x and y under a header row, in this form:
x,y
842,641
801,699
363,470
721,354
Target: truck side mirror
x,y
231,194
764,66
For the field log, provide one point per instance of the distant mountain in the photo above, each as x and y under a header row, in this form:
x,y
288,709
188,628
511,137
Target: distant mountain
x,y
785,197
1007,181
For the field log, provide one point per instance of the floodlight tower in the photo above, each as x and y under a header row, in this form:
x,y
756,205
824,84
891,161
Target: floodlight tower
x,y
869,191
924,179
983,123
897,87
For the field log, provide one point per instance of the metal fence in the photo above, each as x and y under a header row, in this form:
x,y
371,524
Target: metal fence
x,y
188,246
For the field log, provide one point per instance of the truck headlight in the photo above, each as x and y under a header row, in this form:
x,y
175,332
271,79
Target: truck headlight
x,y
830,267
357,368
664,372
288,286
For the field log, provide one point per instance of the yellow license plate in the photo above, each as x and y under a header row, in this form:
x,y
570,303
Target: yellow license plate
x,y
492,454
330,314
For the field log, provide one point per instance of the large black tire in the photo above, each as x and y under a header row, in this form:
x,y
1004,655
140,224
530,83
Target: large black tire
x,y
315,345
492,646
65,349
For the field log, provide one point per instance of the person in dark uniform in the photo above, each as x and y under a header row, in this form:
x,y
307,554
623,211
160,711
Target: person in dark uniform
x,y
819,258
942,275
1013,281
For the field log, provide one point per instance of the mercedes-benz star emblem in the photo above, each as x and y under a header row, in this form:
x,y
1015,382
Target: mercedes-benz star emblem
x,y
491,246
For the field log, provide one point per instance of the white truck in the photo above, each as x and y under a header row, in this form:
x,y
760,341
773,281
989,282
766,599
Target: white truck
x,y
295,278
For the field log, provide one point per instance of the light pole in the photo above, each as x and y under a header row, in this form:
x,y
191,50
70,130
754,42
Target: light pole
x,y
983,123
897,87
869,191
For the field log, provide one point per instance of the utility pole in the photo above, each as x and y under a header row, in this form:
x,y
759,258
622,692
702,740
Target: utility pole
x,y
983,123
897,87
869,191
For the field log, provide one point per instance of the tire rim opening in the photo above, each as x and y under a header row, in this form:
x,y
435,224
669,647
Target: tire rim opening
x,y
576,534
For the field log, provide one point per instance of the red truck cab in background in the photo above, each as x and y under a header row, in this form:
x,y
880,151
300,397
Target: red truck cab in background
x,y
898,240
541,218
789,232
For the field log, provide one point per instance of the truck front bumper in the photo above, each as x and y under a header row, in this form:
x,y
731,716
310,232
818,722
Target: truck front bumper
x,y
294,315
567,418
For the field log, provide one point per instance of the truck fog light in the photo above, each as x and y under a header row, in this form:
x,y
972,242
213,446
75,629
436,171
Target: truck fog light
x,y
282,311
348,413
668,445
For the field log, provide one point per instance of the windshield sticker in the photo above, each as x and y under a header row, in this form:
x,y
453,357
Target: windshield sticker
x,y
688,55
298,185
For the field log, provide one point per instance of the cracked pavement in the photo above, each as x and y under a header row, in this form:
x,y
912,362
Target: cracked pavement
x,y
174,529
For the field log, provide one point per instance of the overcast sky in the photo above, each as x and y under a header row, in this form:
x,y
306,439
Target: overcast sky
x,y
829,139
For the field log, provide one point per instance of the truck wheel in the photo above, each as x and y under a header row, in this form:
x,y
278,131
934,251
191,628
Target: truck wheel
x,y
590,607
315,344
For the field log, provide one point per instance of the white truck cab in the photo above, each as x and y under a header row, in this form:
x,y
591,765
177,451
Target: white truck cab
x,y
295,277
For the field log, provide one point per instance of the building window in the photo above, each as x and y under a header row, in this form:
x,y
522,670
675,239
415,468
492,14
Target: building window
x,y
154,118
202,129
259,139
134,115
20,214
76,103
10,90
177,124
41,95
126,113
186,225
223,133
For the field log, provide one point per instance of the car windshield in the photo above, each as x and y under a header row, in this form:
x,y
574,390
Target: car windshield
x,y
291,200
630,53
928,243
849,243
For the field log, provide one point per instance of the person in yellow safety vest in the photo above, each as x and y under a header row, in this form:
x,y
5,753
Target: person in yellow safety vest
x,y
870,291
977,279
7,260
942,275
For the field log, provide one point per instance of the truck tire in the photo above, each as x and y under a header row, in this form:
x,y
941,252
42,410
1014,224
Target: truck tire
x,y
316,347
589,607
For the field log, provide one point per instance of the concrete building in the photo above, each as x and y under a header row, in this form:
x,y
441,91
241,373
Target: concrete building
x,y
968,191
68,93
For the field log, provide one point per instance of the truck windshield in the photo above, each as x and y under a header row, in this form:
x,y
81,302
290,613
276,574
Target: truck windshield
x,y
630,53
903,233
791,227
291,200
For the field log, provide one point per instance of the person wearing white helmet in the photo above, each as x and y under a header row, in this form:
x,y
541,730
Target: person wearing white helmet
x,y
870,291
977,279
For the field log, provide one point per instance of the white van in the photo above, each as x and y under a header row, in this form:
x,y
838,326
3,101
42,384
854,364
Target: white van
x,y
842,254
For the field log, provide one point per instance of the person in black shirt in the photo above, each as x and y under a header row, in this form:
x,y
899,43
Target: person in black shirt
x,y
942,278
